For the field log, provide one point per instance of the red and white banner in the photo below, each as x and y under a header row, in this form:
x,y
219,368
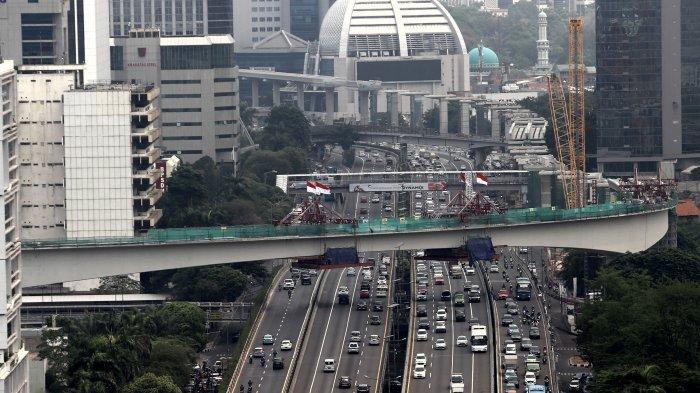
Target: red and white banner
x,y
481,179
463,177
317,188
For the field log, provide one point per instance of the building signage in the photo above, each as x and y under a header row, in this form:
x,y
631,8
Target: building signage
x,y
380,187
163,166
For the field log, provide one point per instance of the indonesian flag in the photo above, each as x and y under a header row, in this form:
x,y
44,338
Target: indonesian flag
x,y
463,177
481,179
317,188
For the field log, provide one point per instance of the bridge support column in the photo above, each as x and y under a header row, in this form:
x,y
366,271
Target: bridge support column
x,y
416,111
393,104
275,93
330,105
466,111
443,116
364,106
300,96
373,106
255,92
495,124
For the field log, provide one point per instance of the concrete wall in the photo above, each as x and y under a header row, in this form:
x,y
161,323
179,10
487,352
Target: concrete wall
x,y
631,233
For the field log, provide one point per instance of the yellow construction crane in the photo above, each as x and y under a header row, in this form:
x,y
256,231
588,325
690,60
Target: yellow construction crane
x,y
569,120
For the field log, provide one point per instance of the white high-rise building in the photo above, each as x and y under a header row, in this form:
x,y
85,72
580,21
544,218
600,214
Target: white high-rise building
x,y
13,357
543,67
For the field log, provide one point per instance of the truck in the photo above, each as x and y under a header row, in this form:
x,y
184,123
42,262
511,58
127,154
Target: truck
x,y
479,339
457,383
456,271
343,295
509,362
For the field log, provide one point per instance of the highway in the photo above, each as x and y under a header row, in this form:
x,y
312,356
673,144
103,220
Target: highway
x,y
518,268
332,324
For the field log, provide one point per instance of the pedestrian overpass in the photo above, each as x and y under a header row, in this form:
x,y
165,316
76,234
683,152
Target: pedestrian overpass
x,y
611,227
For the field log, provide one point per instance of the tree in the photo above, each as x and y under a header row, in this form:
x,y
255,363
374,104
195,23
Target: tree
x,y
211,283
247,114
574,268
287,126
182,319
151,383
119,284
171,357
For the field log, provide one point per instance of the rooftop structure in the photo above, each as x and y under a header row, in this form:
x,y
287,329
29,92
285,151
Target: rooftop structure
x,y
484,59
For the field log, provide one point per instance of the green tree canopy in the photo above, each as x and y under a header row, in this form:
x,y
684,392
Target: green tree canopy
x,y
151,383
172,357
287,126
184,320
212,283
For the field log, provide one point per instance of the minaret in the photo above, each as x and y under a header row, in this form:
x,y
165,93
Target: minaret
x,y
543,67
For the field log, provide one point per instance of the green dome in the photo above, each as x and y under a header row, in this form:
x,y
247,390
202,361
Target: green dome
x,y
490,60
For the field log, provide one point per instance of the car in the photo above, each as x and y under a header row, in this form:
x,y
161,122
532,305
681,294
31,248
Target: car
x,y
422,335
418,195
440,327
363,199
513,309
419,371
351,271
525,344
441,315
355,336
373,339
329,365
377,306
440,344
363,388
375,320
364,294
446,296
353,347
440,280
277,363
534,333
423,323
458,299
344,382
258,352
510,376
511,349
380,293
535,350
419,205
530,358
474,296
494,269
513,328
460,316
503,294
286,345
509,302
516,336
421,359
473,321
506,319
361,305
462,341
469,271
456,383
375,199
574,385
268,339
387,208
421,310
530,378
288,284
305,279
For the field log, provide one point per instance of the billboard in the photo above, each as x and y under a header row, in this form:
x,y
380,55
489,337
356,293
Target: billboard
x,y
380,187
400,70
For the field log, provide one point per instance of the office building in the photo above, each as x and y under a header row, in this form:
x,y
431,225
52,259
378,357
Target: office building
x,y
42,173
14,371
648,111
172,17
199,88
254,20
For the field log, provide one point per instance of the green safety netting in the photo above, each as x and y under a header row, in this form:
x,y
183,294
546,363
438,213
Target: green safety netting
x,y
511,217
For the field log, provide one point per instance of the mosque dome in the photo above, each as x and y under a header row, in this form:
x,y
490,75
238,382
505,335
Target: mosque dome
x,y
489,60
384,28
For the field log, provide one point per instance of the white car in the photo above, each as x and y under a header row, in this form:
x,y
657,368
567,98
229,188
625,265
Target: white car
x,y
511,349
355,335
419,205
494,268
353,347
421,359
418,195
351,271
457,383
530,378
440,327
419,371
469,271
286,345
441,315
380,293
288,284
422,335
373,339
462,341
440,343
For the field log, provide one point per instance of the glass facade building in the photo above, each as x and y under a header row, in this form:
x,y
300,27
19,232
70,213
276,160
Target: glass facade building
x,y
647,112
304,19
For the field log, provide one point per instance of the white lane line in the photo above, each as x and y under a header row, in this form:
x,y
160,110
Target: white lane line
x,y
452,322
325,333
347,324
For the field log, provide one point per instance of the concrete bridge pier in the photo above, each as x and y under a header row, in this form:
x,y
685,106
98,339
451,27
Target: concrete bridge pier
x,y
276,93
300,96
255,93
466,111
330,105
416,110
392,102
363,102
443,116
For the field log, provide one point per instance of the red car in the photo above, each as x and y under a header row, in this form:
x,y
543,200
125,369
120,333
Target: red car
x,y
364,294
502,294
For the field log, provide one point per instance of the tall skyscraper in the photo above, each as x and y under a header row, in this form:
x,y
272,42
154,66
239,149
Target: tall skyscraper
x,y
648,84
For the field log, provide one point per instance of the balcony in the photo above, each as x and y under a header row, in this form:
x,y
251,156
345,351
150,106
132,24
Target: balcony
x,y
148,218
151,131
150,153
151,174
153,194
149,112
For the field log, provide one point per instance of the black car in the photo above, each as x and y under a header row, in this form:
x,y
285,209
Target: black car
x,y
361,306
460,316
378,306
375,320
534,333
506,320
277,364
473,321
363,388
423,323
344,382
446,296
305,279
421,311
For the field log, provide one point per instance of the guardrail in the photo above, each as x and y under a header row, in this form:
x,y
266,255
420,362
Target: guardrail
x,y
384,225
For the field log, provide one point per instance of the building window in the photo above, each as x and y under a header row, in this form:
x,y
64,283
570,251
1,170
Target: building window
x,y
180,110
225,108
224,79
225,94
181,82
192,95
224,136
183,124
182,138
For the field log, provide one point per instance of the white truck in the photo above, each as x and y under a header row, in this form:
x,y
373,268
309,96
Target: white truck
x,y
457,383
479,339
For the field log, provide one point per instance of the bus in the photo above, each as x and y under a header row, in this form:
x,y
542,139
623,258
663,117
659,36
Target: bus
x,y
479,339
523,289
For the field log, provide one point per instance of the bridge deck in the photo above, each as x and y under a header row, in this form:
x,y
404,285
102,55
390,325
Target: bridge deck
x,y
511,217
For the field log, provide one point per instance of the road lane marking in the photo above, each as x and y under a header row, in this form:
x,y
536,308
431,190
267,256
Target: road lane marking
x,y
325,332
